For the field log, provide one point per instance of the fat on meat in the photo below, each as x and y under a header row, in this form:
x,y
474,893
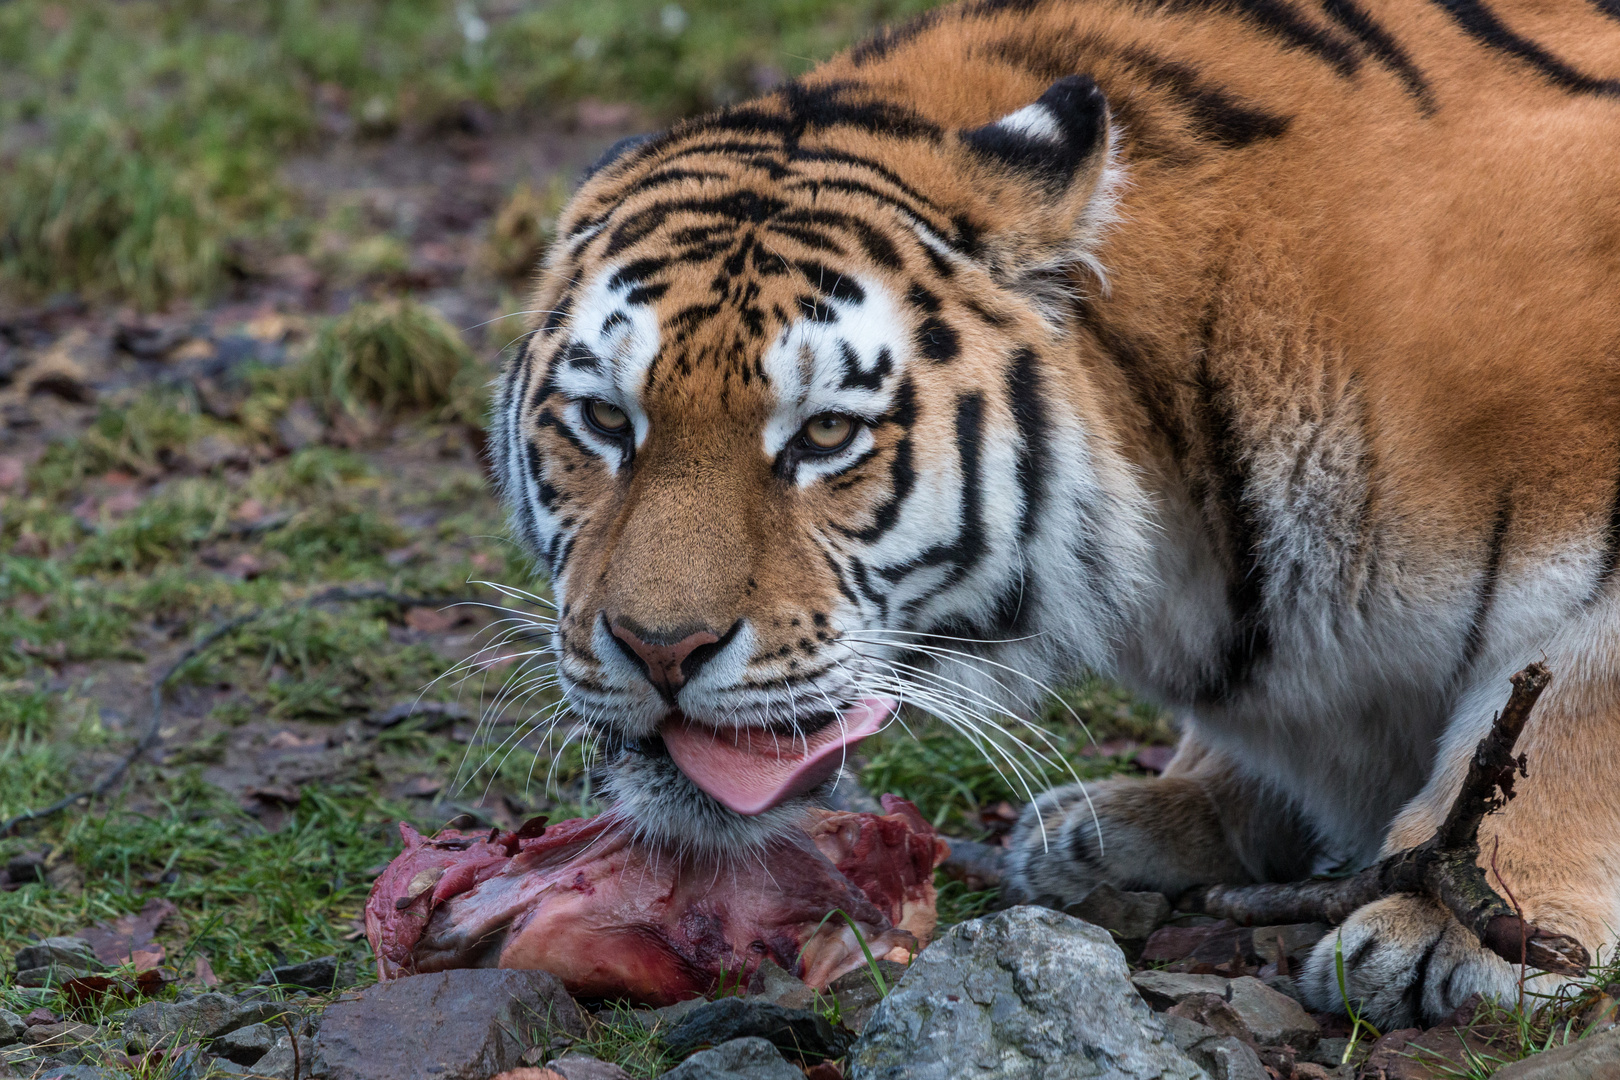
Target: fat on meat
x,y
616,918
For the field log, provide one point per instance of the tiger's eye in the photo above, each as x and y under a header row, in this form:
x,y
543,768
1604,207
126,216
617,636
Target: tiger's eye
x,y
606,416
830,431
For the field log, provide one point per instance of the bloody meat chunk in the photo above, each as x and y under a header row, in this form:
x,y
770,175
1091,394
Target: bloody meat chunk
x,y
613,918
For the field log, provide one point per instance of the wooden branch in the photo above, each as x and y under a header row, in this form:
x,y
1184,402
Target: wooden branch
x,y
1445,867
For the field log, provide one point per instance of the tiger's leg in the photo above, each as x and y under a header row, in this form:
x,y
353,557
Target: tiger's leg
x,y
1555,849
1201,823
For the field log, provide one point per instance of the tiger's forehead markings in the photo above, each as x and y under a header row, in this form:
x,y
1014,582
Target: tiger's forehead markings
x,y
839,356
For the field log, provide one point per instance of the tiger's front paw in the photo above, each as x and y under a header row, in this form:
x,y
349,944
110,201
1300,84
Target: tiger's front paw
x,y
1407,963
1162,835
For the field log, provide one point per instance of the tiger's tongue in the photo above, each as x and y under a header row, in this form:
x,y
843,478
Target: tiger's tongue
x,y
750,771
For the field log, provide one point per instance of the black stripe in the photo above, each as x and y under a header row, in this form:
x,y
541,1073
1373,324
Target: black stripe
x,y
1280,21
1227,493
1412,996
1481,23
902,476
1377,40
1028,407
889,38
838,576
1133,362
967,548
1216,114
1611,8
1474,640
1609,561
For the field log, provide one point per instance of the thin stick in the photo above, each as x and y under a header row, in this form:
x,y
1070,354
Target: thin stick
x,y
149,739
1445,867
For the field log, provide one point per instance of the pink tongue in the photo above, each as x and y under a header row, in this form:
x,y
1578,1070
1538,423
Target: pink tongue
x,y
750,771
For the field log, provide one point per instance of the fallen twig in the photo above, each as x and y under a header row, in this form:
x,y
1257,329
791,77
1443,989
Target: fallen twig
x,y
149,738
1445,867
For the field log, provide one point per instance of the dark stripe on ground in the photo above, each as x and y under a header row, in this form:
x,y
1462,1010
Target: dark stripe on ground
x,y
1384,48
1480,22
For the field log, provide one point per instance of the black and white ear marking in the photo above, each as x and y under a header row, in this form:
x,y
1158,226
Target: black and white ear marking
x,y
615,152
1053,138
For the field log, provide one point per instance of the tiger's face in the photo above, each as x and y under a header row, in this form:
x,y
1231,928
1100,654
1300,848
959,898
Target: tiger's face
x,y
789,422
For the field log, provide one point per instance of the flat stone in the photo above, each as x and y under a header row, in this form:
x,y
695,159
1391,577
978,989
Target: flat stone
x,y
739,1059
65,1033
70,952
1202,943
206,1016
667,1016
1026,993
1129,915
1596,1057
465,1024
1270,1017
248,1044
11,1027
580,1067
777,985
798,1033
323,975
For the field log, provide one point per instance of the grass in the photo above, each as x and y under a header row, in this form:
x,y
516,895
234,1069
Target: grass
x,y
394,356
144,138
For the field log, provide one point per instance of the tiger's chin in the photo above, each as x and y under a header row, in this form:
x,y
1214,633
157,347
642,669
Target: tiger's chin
x,y
672,813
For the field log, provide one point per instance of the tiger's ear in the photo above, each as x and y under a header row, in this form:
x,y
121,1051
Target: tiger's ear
x,y
1039,170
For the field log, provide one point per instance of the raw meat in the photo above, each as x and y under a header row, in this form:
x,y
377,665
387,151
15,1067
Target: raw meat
x,y
613,918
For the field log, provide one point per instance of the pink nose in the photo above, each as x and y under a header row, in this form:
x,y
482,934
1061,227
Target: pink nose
x,y
664,662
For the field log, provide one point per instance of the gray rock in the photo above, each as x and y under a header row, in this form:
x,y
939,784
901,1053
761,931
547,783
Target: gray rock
x,y
11,1027
580,1067
1269,1016
1222,1054
323,974
467,1024
280,1062
800,1034
1130,915
1596,1057
740,1059
1292,939
1284,985
1025,993
857,994
1330,1052
666,1017
247,1045
71,1072
206,1016
70,952
1227,1058
777,985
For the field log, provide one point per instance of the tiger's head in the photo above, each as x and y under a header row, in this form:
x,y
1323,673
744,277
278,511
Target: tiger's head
x,y
795,434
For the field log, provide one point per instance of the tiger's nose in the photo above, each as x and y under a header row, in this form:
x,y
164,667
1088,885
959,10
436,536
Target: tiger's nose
x,y
667,664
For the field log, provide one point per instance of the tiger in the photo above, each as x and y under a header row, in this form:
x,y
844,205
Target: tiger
x,y
1262,356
